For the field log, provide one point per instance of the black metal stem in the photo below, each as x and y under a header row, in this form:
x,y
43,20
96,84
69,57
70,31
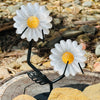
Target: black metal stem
x,y
25,30
43,36
62,76
27,87
44,78
29,56
81,68
51,86
41,76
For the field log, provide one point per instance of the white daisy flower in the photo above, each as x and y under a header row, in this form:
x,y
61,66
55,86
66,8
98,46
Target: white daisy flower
x,y
35,18
67,51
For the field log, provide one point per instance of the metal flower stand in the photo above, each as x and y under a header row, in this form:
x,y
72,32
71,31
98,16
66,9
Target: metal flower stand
x,y
39,77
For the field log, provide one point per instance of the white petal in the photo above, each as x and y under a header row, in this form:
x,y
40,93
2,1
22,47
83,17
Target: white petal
x,y
16,25
56,65
53,63
47,26
54,51
80,59
24,35
29,37
76,66
44,19
59,48
73,68
45,31
68,44
74,43
19,19
43,9
20,14
67,71
56,68
36,5
80,53
82,64
67,74
71,71
63,45
79,47
36,8
60,67
20,25
34,35
61,70
24,11
39,33
30,9
20,29
54,57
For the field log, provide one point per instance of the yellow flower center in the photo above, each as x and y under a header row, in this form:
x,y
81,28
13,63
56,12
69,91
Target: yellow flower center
x,y
33,22
67,56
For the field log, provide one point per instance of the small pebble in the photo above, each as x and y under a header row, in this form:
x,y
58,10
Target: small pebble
x,y
67,5
83,46
87,4
97,66
68,34
97,50
77,2
88,29
57,21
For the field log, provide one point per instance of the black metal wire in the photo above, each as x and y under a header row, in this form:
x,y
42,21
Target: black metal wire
x,y
37,76
40,78
27,87
62,76
81,68
29,56
25,30
43,36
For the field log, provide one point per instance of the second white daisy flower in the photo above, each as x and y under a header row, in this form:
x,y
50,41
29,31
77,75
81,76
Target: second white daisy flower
x,y
36,18
67,51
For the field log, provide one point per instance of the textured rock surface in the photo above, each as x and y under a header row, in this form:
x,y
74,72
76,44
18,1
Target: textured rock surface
x,y
67,94
93,92
24,97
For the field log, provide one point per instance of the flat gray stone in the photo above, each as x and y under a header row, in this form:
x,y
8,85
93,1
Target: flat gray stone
x,y
69,34
88,29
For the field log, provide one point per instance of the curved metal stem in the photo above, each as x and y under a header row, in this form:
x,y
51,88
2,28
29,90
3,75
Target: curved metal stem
x,y
38,74
29,56
26,88
62,76
39,77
